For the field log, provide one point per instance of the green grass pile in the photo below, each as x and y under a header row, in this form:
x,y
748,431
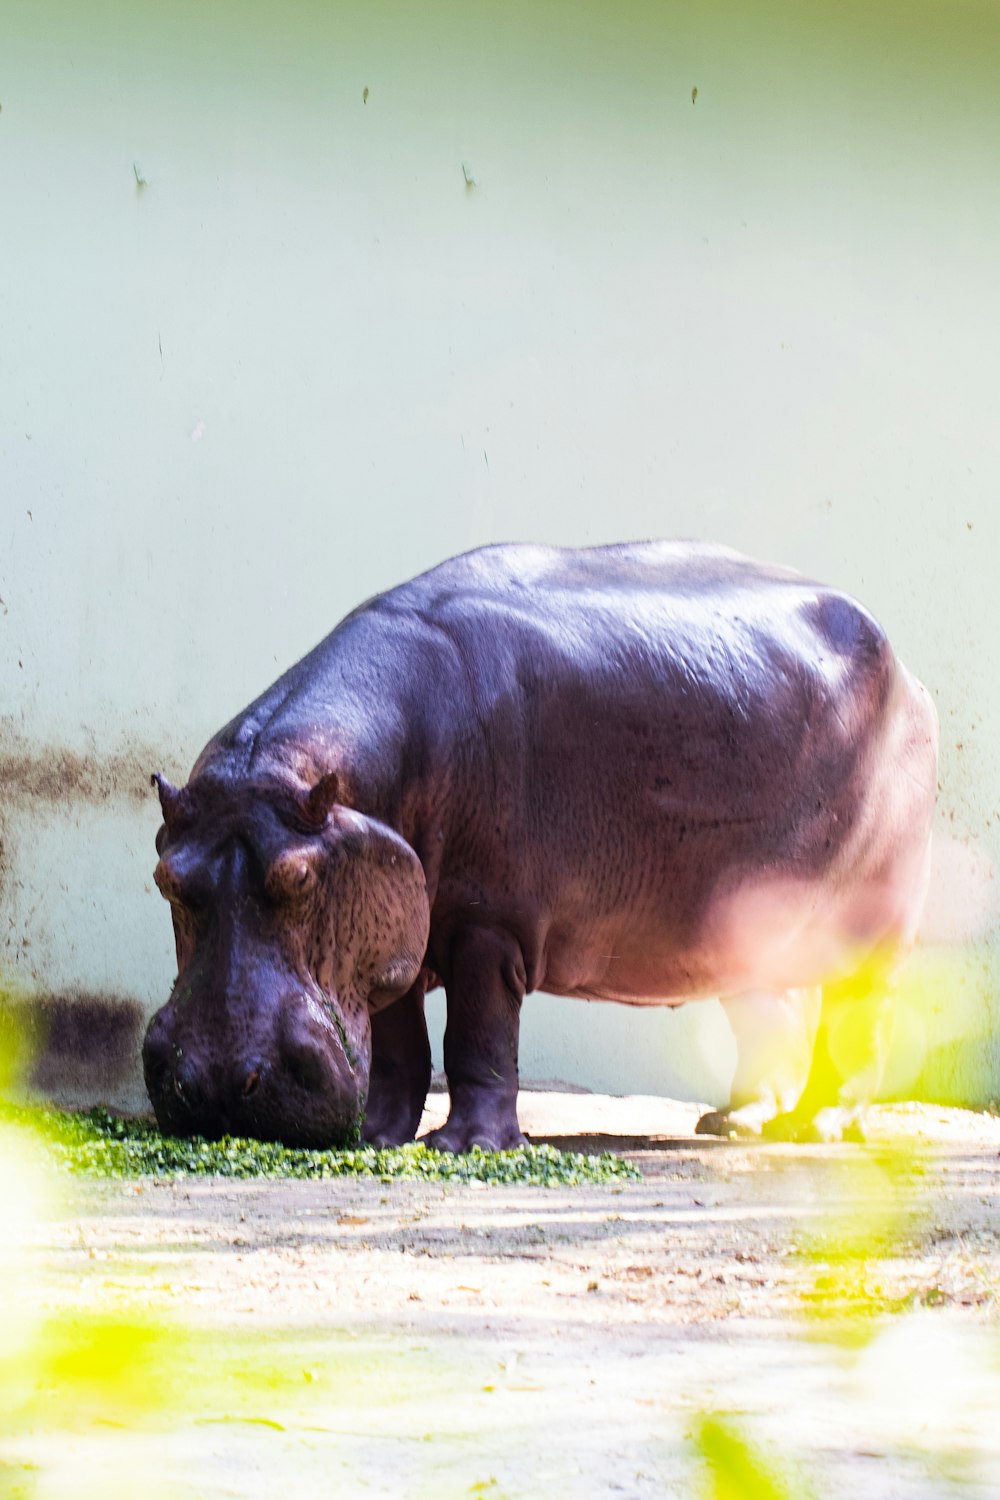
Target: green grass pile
x,y
100,1144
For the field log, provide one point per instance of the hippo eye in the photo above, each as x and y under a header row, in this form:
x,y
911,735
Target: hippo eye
x,y
289,877
166,882
169,884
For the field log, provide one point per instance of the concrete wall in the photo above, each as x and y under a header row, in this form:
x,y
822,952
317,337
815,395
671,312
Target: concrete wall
x,y
296,300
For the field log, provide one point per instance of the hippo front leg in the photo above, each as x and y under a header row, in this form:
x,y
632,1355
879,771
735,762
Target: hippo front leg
x,y
485,986
400,1071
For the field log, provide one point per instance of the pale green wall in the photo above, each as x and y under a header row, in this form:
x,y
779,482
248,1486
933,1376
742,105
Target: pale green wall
x,y
306,359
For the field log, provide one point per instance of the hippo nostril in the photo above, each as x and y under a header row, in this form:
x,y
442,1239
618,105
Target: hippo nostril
x,y
307,1064
250,1082
306,1067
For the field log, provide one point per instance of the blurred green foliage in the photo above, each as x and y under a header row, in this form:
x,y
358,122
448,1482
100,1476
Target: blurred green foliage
x,y
736,1469
15,1039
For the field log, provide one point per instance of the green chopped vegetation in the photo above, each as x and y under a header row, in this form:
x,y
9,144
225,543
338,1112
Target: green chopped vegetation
x,y
101,1144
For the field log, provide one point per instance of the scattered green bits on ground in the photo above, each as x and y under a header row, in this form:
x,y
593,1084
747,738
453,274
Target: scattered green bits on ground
x,y
100,1144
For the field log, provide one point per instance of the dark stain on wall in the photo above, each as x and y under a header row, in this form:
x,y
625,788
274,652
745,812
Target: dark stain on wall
x,y
75,1047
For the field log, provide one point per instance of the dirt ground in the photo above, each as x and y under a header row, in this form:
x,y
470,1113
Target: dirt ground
x,y
842,1304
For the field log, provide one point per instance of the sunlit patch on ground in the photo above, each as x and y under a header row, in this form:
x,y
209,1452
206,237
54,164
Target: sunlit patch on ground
x,y
920,1390
761,1322
754,1321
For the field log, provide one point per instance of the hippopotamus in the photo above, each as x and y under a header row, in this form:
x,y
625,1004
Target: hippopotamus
x,y
644,773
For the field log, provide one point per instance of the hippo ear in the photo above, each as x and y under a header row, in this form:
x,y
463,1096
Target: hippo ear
x,y
382,912
174,804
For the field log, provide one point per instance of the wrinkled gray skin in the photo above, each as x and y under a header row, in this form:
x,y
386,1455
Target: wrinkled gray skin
x,y
640,773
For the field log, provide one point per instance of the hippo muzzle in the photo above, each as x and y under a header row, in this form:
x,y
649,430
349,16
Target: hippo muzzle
x,y
300,1081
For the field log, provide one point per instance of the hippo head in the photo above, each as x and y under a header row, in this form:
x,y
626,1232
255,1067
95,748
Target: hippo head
x,y
292,916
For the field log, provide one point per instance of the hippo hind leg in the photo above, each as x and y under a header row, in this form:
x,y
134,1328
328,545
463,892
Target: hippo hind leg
x,y
400,1072
848,1061
775,1036
485,984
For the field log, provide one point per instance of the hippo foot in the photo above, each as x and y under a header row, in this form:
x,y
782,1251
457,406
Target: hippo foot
x,y
746,1123
836,1122
391,1120
374,1134
458,1136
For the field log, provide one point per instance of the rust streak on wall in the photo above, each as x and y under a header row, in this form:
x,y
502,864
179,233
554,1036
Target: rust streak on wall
x,y
54,774
36,773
